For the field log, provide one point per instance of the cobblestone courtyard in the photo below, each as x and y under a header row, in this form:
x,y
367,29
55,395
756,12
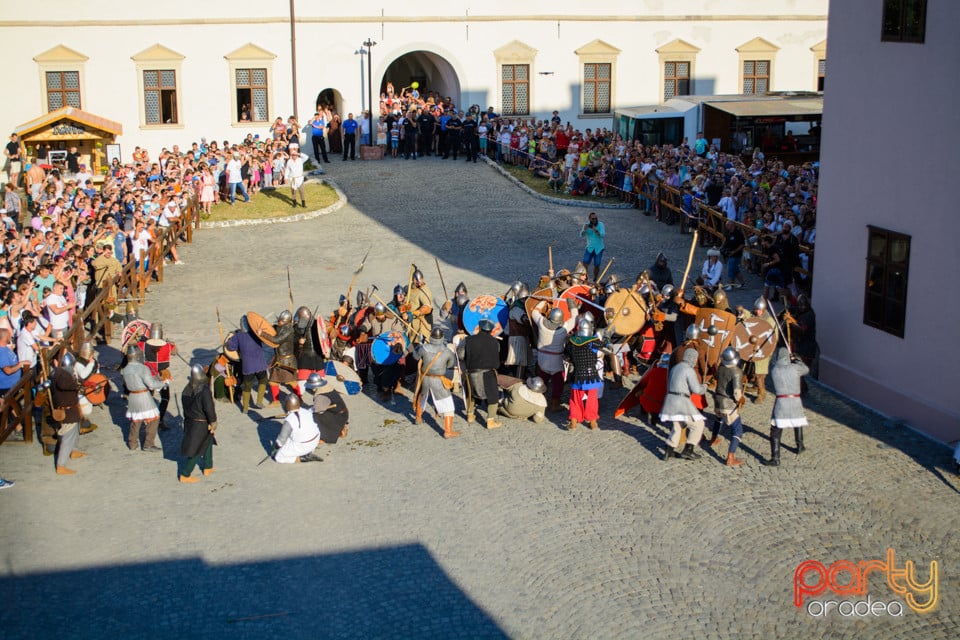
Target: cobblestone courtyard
x,y
528,531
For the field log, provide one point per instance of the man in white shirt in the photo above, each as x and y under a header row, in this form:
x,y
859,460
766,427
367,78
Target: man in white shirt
x,y
58,310
27,346
293,174
235,179
728,205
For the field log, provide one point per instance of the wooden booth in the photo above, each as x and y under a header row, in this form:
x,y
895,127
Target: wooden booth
x,y
52,134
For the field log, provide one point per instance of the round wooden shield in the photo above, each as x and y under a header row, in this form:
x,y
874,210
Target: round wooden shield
x,y
383,351
486,307
97,388
535,300
625,311
261,328
349,385
133,332
230,353
576,292
754,339
724,321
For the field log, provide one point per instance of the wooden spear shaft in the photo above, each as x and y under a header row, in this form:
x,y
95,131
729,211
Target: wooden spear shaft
x,y
686,272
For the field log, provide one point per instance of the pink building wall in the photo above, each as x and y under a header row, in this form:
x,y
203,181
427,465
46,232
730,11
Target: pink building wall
x,y
890,158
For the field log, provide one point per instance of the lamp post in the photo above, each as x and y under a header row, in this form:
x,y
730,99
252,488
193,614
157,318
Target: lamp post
x,y
361,52
369,44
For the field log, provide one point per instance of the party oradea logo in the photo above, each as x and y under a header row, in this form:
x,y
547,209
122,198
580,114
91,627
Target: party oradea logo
x,y
849,582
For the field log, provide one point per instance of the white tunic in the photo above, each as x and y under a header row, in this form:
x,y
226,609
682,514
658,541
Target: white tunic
x,y
304,436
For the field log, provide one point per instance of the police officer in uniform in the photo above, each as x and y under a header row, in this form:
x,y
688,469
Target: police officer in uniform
x,y
426,123
454,125
468,133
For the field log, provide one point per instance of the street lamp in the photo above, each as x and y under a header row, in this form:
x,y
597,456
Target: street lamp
x,y
362,53
369,44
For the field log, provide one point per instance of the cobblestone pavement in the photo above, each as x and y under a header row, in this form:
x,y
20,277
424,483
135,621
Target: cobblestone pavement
x,y
527,531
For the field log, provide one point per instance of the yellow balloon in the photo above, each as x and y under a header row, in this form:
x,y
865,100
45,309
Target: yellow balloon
x,y
415,85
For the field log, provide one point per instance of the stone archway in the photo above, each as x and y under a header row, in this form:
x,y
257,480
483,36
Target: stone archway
x,y
330,98
430,70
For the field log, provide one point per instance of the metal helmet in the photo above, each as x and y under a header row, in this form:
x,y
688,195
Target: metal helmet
x,y
379,310
563,273
667,290
524,291
610,289
462,300
361,299
555,316
613,280
398,290
198,376
588,315
302,317
460,290
486,325
760,304
585,327
156,331
291,403
418,277
644,289
693,332
343,332
535,384
803,303
284,318
720,298
436,336
134,354
580,272
86,350
314,381
67,361
729,357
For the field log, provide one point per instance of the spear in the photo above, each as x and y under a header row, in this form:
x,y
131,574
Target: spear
x,y
604,272
357,273
289,289
440,273
223,348
550,258
686,272
380,300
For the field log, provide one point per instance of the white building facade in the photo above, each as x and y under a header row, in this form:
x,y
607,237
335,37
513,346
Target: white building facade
x,y
181,70
887,260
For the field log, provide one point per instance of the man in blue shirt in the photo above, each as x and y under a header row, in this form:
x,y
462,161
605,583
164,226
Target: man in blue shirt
x,y
350,137
594,231
10,366
318,128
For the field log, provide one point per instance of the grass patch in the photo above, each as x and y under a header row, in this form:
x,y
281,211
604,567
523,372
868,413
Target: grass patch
x,y
273,204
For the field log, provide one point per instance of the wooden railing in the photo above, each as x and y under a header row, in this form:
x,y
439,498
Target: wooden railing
x,y
667,203
131,284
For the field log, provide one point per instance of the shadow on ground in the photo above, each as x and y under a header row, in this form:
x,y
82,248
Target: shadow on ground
x,y
387,592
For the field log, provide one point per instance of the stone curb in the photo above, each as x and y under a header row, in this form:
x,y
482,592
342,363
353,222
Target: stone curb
x,y
560,201
341,201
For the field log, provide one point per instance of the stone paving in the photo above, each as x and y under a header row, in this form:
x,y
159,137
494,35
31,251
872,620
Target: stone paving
x,y
527,531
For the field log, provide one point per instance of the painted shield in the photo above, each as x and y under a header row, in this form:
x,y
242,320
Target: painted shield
x,y
725,322
576,292
322,336
754,339
486,307
625,311
350,383
389,347
134,332
261,328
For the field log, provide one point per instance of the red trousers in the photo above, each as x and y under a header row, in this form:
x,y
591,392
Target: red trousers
x,y
579,412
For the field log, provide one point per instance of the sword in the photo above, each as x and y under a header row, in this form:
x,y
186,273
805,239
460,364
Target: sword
x,y
269,455
592,304
779,328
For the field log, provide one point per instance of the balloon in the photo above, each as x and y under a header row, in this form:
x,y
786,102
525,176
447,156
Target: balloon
x,y
415,85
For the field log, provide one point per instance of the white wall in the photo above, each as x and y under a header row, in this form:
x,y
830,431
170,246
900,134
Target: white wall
x,y
326,58
890,140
